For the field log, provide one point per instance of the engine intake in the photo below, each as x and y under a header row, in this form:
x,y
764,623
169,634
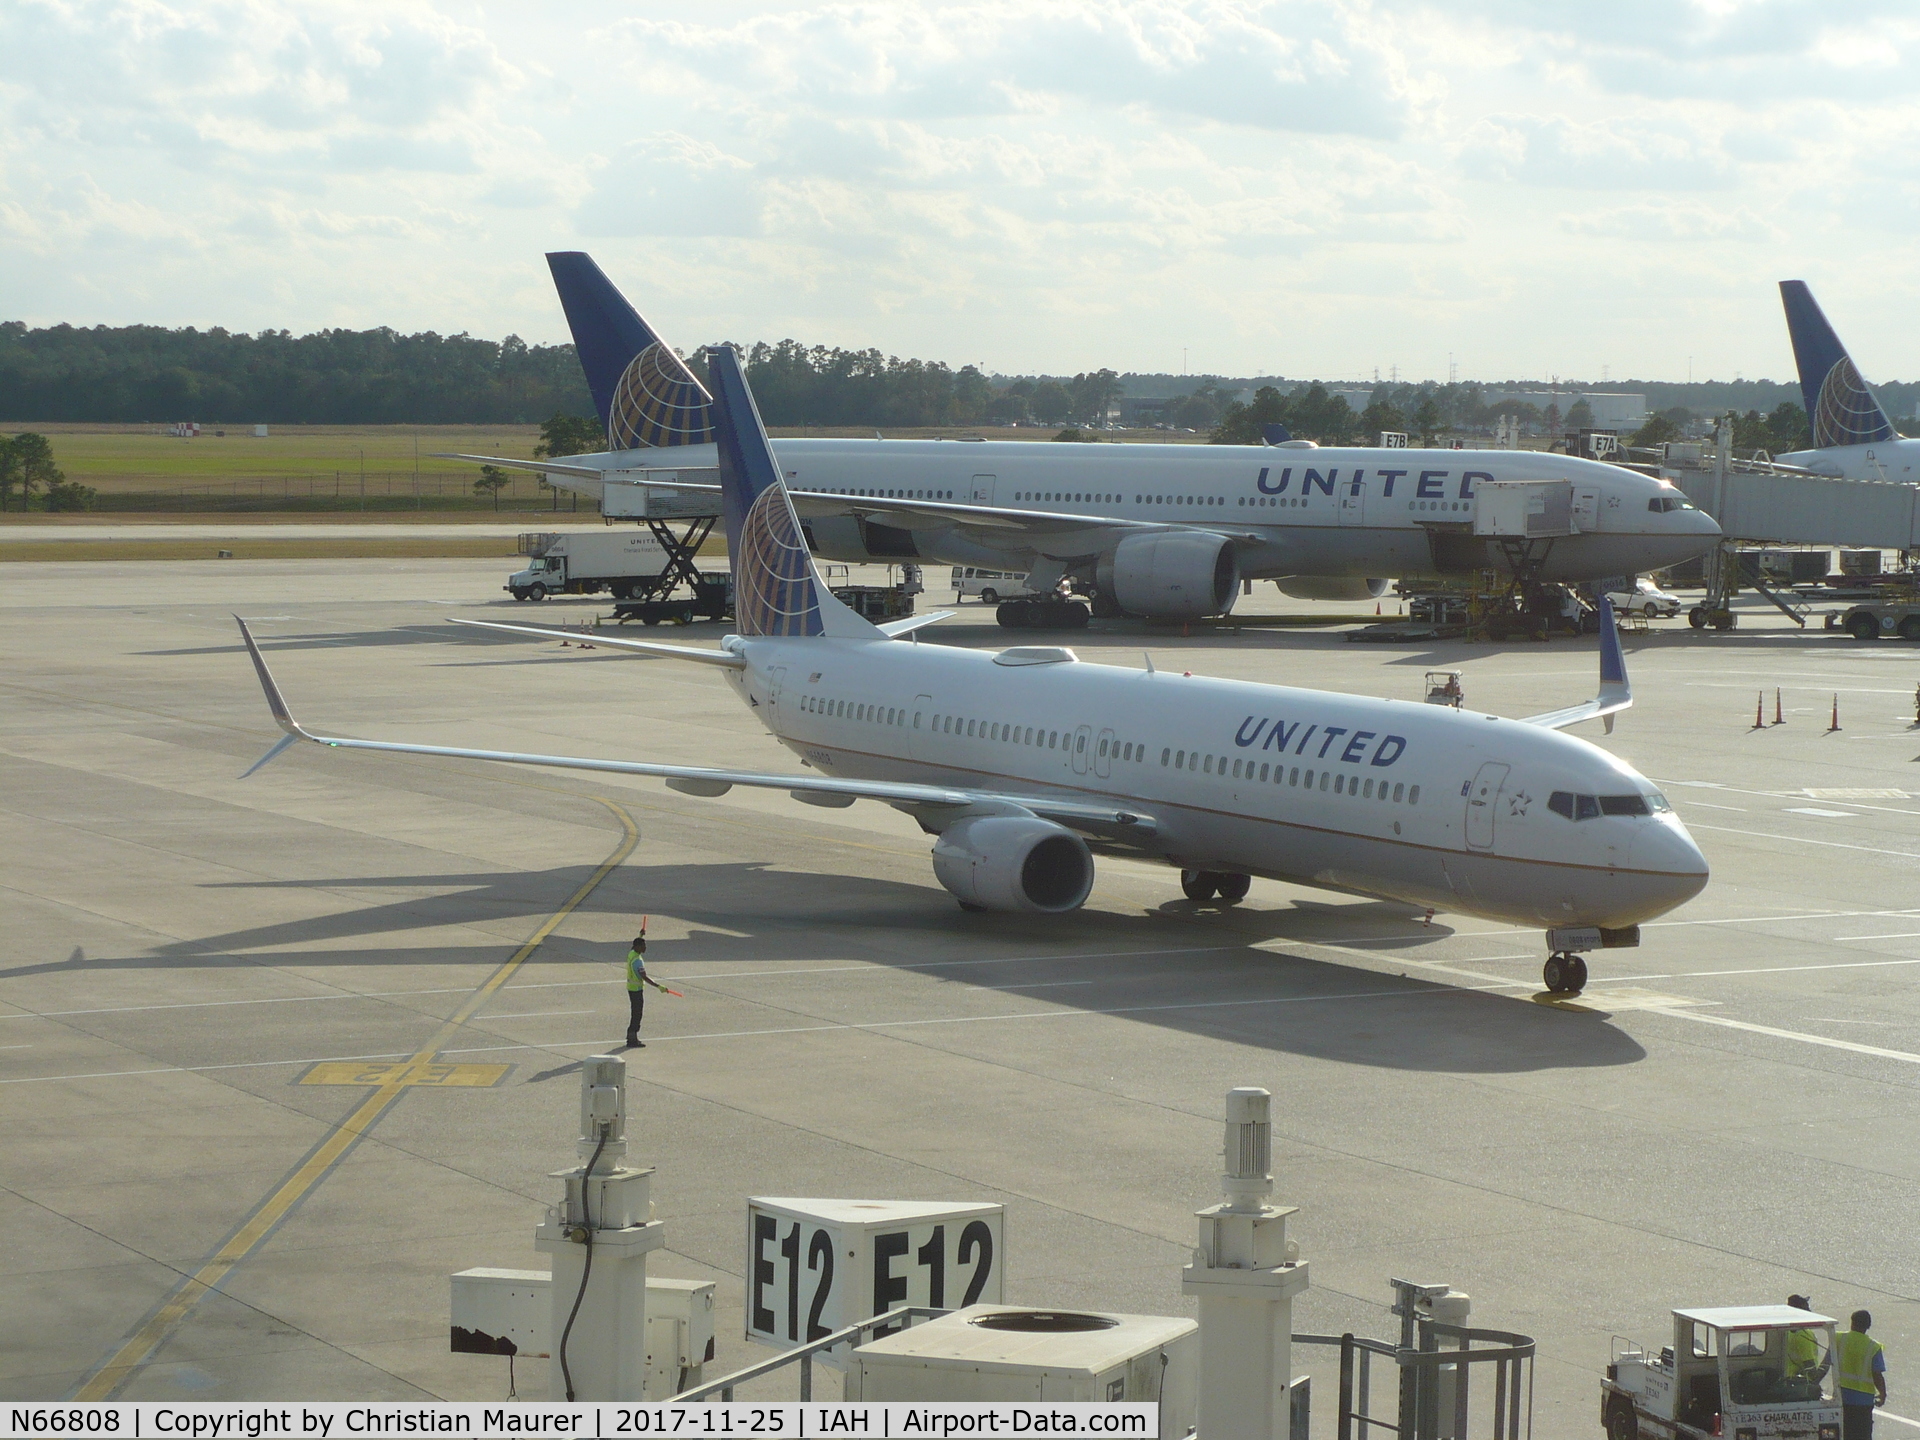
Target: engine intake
x,y
1172,575
1013,862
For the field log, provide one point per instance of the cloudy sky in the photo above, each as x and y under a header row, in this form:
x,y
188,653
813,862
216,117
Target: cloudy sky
x,y
1514,187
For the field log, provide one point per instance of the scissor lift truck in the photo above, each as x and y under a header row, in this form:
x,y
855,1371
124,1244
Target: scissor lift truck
x,y
1730,1372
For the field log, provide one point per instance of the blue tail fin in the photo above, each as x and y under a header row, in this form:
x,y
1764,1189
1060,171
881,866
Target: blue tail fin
x,y
645,395
775,588
1840,408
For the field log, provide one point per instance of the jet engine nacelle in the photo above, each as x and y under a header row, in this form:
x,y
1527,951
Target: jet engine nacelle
x,y
1331,587
1172,575
1014,862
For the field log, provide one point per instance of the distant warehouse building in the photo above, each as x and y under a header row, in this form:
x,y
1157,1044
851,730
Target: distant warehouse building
x,y
1611,410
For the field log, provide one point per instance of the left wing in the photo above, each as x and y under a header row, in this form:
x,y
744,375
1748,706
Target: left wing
x,y
1614,695
938,805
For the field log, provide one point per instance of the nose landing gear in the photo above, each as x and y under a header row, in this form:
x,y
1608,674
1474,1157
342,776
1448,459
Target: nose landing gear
x,y
1564,974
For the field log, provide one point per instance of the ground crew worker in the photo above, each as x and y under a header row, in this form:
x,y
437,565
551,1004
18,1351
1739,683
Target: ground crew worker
x,y
1862,1367
637,982
1803,1347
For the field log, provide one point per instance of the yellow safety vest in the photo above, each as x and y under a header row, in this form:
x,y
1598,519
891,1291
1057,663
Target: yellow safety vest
x,y
1856,1360
636,970
1803,1351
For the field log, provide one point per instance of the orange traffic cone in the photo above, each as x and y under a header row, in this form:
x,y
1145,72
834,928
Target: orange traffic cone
x,y
1759,717
1836,716
1778,718
1376,607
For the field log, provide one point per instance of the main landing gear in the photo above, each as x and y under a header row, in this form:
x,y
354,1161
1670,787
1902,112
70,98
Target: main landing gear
x,y
1204,885
1564,973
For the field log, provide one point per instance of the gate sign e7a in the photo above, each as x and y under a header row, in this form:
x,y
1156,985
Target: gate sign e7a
x,y
817,1266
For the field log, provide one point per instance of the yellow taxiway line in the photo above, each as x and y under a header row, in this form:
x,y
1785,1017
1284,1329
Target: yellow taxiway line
x,y
159,1326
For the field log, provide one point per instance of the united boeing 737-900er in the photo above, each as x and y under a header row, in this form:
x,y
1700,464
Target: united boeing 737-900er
x,y
1162,530
1024,763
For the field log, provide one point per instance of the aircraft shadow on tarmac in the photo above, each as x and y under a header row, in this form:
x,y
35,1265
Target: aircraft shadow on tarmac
x,y
1181,967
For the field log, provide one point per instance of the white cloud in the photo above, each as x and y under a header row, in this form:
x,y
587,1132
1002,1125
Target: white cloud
x,y
1319,185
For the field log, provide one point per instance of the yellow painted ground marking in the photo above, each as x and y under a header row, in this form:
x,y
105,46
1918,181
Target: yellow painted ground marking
x,y
354,1072
158,1327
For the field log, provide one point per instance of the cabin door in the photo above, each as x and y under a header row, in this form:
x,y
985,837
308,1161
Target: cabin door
x,y
1586,509
776,678
920,740
1483,796
983,489
1353,500
1082,743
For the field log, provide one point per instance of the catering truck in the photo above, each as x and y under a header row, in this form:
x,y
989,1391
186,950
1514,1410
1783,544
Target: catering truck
x,y
1749,1372
622,559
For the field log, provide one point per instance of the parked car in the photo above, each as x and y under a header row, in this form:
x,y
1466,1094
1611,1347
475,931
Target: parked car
x,y
1647,599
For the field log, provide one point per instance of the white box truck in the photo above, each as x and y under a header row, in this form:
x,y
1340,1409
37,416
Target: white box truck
x,y
621,559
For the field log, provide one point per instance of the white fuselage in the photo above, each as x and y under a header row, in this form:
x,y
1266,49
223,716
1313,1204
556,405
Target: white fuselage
x,y
1895,460
1412,802
1332,511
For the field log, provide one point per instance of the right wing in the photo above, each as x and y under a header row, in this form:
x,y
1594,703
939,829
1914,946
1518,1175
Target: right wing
x,y
938,805
1049,532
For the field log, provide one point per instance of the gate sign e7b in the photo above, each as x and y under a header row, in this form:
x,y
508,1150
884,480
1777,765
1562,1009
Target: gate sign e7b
x,y
817,1266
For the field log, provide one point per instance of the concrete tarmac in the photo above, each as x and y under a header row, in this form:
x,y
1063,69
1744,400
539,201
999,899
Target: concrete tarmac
x,y
1728,1115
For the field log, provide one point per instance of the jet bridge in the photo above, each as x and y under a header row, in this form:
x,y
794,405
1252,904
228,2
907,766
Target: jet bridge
x,y
1758,501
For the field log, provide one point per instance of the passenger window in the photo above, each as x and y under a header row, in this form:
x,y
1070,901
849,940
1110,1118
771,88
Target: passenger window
x,y
1081,747
1236,769
1263,772
1586,807
1366,791
1398,790
1053,739
1103,747
1208,766
1413,795
1180,760
1561,803
1293,776
1339,784
1163,754
970,725
1622,805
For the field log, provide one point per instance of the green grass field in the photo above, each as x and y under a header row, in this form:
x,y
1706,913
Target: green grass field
x,y
304,470
130,457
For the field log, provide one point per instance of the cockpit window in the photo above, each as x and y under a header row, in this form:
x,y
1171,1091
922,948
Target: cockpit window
x,y
1661,504
1588,807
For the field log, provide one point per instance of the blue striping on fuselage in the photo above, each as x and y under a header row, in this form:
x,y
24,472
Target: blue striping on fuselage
x,y
1354,752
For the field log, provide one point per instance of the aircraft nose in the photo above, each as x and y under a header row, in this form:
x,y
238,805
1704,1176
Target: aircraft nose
x,y
1695,522
1665,851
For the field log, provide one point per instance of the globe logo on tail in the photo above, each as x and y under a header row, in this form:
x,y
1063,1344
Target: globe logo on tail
x,y
773,589
1847,413
658,402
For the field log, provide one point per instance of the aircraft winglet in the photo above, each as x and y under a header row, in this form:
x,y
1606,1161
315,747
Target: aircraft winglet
x,y
1615,694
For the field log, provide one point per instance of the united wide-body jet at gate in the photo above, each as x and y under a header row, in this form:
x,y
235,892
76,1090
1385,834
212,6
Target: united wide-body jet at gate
x,y
1027,762
1167,531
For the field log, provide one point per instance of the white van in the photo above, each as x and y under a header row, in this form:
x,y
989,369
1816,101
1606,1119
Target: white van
x,y
989,586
